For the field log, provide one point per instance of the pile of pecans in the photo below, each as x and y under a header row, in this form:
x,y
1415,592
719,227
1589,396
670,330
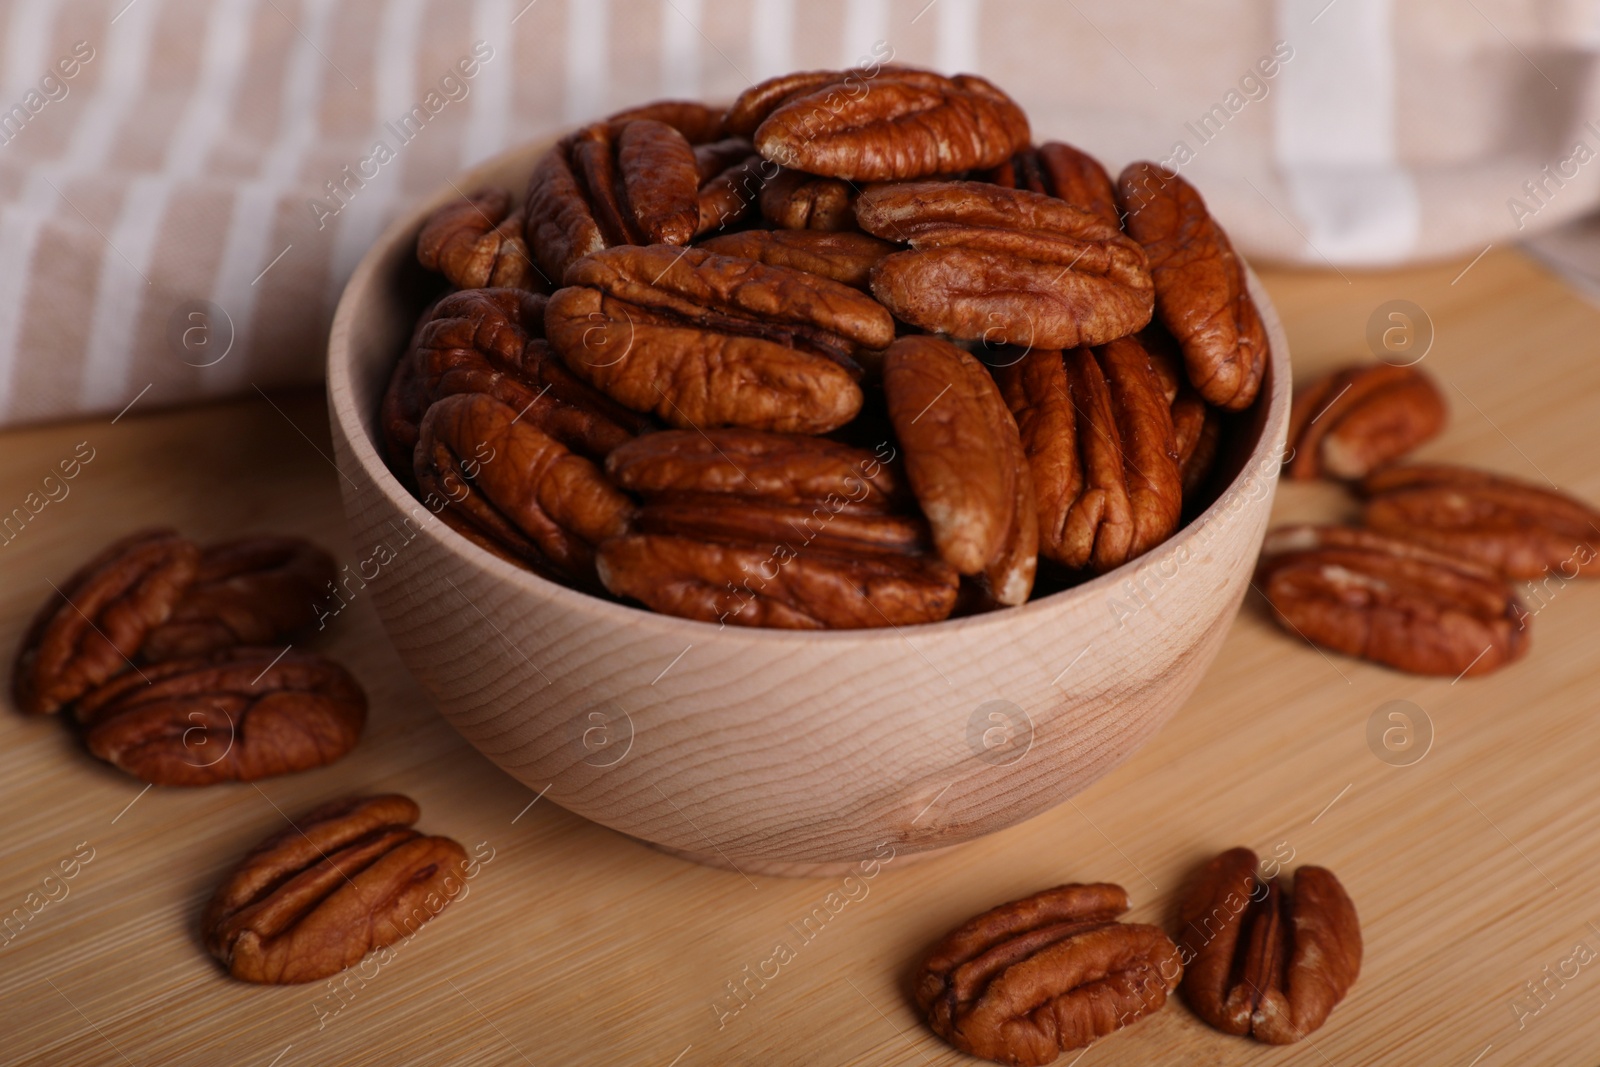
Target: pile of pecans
x,y
1423,584
852,352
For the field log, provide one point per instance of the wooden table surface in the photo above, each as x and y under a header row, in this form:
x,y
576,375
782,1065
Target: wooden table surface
x,y
1476,869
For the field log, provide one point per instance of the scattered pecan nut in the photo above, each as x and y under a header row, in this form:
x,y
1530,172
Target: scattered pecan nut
x,y
1391,601
847,258
249,591
890,125
93,625
965,462
1200,290
477,242
1262,959
1028,980
1064,172
704,340
341,881
795,200
1519,530
1349,423
247,713
1005,265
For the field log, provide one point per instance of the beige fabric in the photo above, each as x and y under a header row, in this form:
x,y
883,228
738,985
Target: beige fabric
x,y
157,154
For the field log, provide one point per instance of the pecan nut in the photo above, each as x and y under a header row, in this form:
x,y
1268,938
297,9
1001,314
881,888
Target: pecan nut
x,y
847,258
1200,290
704,340
731,178
1519,530
1351,422
248,713
1031,979
890,125
994,264
343,880
476,242
89,630
795,200
1391,601
1064,172
699,123
1262,959
249,591
965,462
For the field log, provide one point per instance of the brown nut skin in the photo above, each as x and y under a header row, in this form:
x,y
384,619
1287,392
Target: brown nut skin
x,y
965,462
244,714
847,258
1355,420
1519,530
1391,601
1026,981
1200,289
897,125
795,200
476,242
1005,265
731,179
341,881
1266,960
1062,171
248,591
94,623
699,123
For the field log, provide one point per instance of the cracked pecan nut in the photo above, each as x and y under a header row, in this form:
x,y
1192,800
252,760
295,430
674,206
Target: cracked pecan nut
x,y
965,462
847,258
1520,530
891,124
345,879
1391,601
1031,979
795,200
704,340
1353,421
1005,265
1064,172
94,623
1200,291
249,591
477,242
519,486
1264,960
244,714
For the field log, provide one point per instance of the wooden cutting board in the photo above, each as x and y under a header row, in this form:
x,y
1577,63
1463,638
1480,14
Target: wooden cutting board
x,y
1476,869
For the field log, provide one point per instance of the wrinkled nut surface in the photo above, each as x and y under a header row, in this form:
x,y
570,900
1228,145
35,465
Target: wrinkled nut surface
x,y
1200,290
703,340
1064,172
891,125
732,176
1391,601
345,879
94,623
965,462
1028,980
249,591
247,713
1349,423
1007,266
1263,959
477,242
847,258
795,200
1520,530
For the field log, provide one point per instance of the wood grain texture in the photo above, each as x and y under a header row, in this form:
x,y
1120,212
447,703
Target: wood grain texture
x,y
578,946
773,750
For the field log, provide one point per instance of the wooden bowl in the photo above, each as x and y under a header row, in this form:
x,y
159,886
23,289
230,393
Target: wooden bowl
x,y
771,750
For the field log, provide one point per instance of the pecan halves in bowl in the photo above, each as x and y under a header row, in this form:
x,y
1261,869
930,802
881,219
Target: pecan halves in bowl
x,y
1264,959
1391,601
248,713
345,879
249,591
965,462
1200,287
1064,172
1028,980
890,125
1520,530
477,242
94,623
705,340
847,258
1353,421
1005,265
